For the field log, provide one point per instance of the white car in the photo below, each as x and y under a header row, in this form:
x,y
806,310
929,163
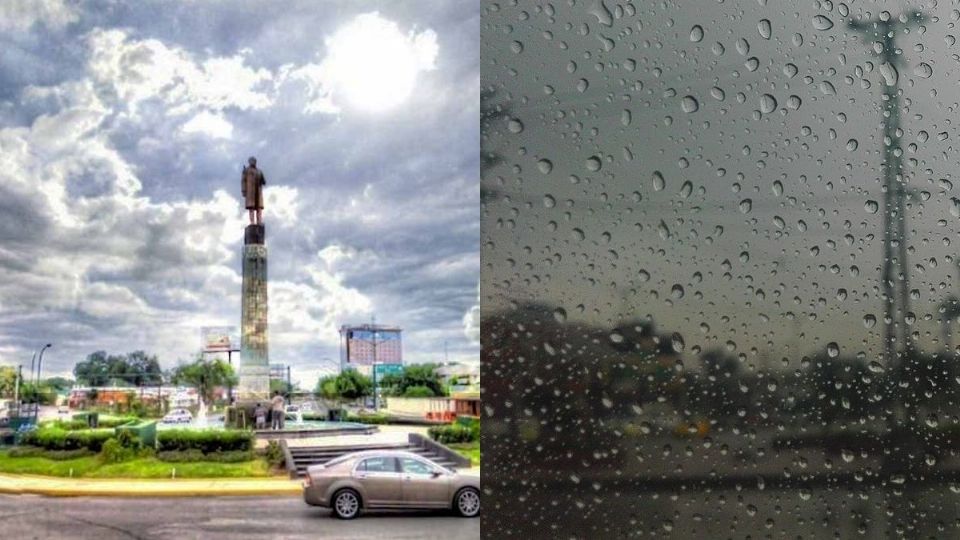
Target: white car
x,y
178,416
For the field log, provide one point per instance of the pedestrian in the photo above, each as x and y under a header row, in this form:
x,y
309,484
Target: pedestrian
x,y
260,414
278,411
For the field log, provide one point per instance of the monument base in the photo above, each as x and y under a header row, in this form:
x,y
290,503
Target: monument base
x,y
254,383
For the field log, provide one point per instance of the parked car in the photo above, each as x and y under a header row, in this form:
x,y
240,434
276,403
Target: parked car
x,y
389,479
178,416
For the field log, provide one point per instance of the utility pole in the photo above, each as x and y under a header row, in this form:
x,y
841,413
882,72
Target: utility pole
x,y
882,32
16,388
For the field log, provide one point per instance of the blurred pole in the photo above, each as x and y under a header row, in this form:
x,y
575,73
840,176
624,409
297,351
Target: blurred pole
x,y
883,31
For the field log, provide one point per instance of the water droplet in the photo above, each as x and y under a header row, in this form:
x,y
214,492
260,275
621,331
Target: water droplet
x,y
549,201
889,73
852,145
593,163
582,85
626,117
560,315
746,205
871,207
764,28
822,23
827,89
658,181
677,291
696,33
869,321
717,93
689,104
515,126
516,47
923,70
768,103
545,166
833,350
676,341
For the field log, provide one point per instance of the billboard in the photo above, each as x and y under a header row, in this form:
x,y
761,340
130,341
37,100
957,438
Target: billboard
x,y
219,339
368,344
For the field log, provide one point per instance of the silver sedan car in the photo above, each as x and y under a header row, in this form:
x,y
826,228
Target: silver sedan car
x,y
389,480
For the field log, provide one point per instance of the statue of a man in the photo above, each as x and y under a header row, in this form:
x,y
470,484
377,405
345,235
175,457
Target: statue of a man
x,y
251,185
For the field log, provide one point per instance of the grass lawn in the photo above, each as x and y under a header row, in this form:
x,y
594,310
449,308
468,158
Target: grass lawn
x,y
93,467
469,450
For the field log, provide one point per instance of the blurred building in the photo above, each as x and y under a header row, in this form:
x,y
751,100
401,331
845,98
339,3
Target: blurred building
x,y
362,346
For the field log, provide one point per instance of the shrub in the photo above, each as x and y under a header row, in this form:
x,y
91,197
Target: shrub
x,y
207,441
274,454
68,425
115,452
54,438
377,419
454,433
194,455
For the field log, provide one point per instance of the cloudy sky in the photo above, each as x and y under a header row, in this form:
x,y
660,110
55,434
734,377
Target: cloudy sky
x,y
123,129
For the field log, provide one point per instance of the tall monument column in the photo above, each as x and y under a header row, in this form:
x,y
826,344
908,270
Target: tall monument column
x,y
254,357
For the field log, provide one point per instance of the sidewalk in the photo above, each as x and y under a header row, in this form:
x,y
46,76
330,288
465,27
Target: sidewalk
x,y
77,487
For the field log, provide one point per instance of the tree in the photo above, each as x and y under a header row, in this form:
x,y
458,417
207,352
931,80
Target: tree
x,y
413,376
348,385
205,376
277,385
59,384
143,369
8,381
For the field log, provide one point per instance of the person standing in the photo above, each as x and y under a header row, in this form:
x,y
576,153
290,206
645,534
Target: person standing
x,y
278,406
260,414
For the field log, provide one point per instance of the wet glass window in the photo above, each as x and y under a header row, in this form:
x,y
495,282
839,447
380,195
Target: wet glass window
x,y
720,269
379,465
414,466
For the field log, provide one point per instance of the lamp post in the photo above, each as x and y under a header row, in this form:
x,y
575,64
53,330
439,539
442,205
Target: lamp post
x,y
36,386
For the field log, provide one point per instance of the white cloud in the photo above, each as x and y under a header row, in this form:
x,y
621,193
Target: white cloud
x,y
471,321
369,63
21,15
139,70
213,125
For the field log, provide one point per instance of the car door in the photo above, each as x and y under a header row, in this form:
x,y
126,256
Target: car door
x,y
381,481
423,488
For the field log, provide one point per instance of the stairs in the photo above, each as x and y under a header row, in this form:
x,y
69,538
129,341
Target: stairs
x,y
303,457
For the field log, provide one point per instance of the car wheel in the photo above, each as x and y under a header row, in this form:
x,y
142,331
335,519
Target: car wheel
x,y
346,504
467,502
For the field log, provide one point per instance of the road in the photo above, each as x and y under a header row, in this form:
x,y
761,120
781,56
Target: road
x,y
28,517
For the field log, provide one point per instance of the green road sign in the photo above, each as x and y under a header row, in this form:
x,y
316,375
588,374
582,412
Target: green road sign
x,y
388,369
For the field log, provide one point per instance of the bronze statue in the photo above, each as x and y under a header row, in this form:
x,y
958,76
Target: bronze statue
x,y
251,185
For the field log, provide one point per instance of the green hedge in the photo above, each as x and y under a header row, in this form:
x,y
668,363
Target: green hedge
x,y
206,441
54,438
372,419
454,433
193,455
57,455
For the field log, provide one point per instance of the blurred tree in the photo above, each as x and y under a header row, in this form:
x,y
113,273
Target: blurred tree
x,y
205,376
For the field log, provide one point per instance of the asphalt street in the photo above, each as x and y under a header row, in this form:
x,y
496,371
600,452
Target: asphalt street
x,y
29,516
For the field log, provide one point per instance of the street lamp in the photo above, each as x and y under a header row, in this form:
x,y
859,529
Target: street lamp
x,y
36,386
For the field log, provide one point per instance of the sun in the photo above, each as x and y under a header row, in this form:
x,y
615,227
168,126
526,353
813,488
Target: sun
x,y
373,65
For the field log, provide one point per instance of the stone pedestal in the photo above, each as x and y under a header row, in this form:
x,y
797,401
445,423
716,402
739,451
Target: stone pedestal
x,y
254,358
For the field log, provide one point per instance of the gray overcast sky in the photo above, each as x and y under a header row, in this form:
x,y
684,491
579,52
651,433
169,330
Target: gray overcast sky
x,y
695,167
123,128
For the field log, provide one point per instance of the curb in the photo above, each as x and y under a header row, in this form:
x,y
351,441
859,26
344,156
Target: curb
x,y
62,487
